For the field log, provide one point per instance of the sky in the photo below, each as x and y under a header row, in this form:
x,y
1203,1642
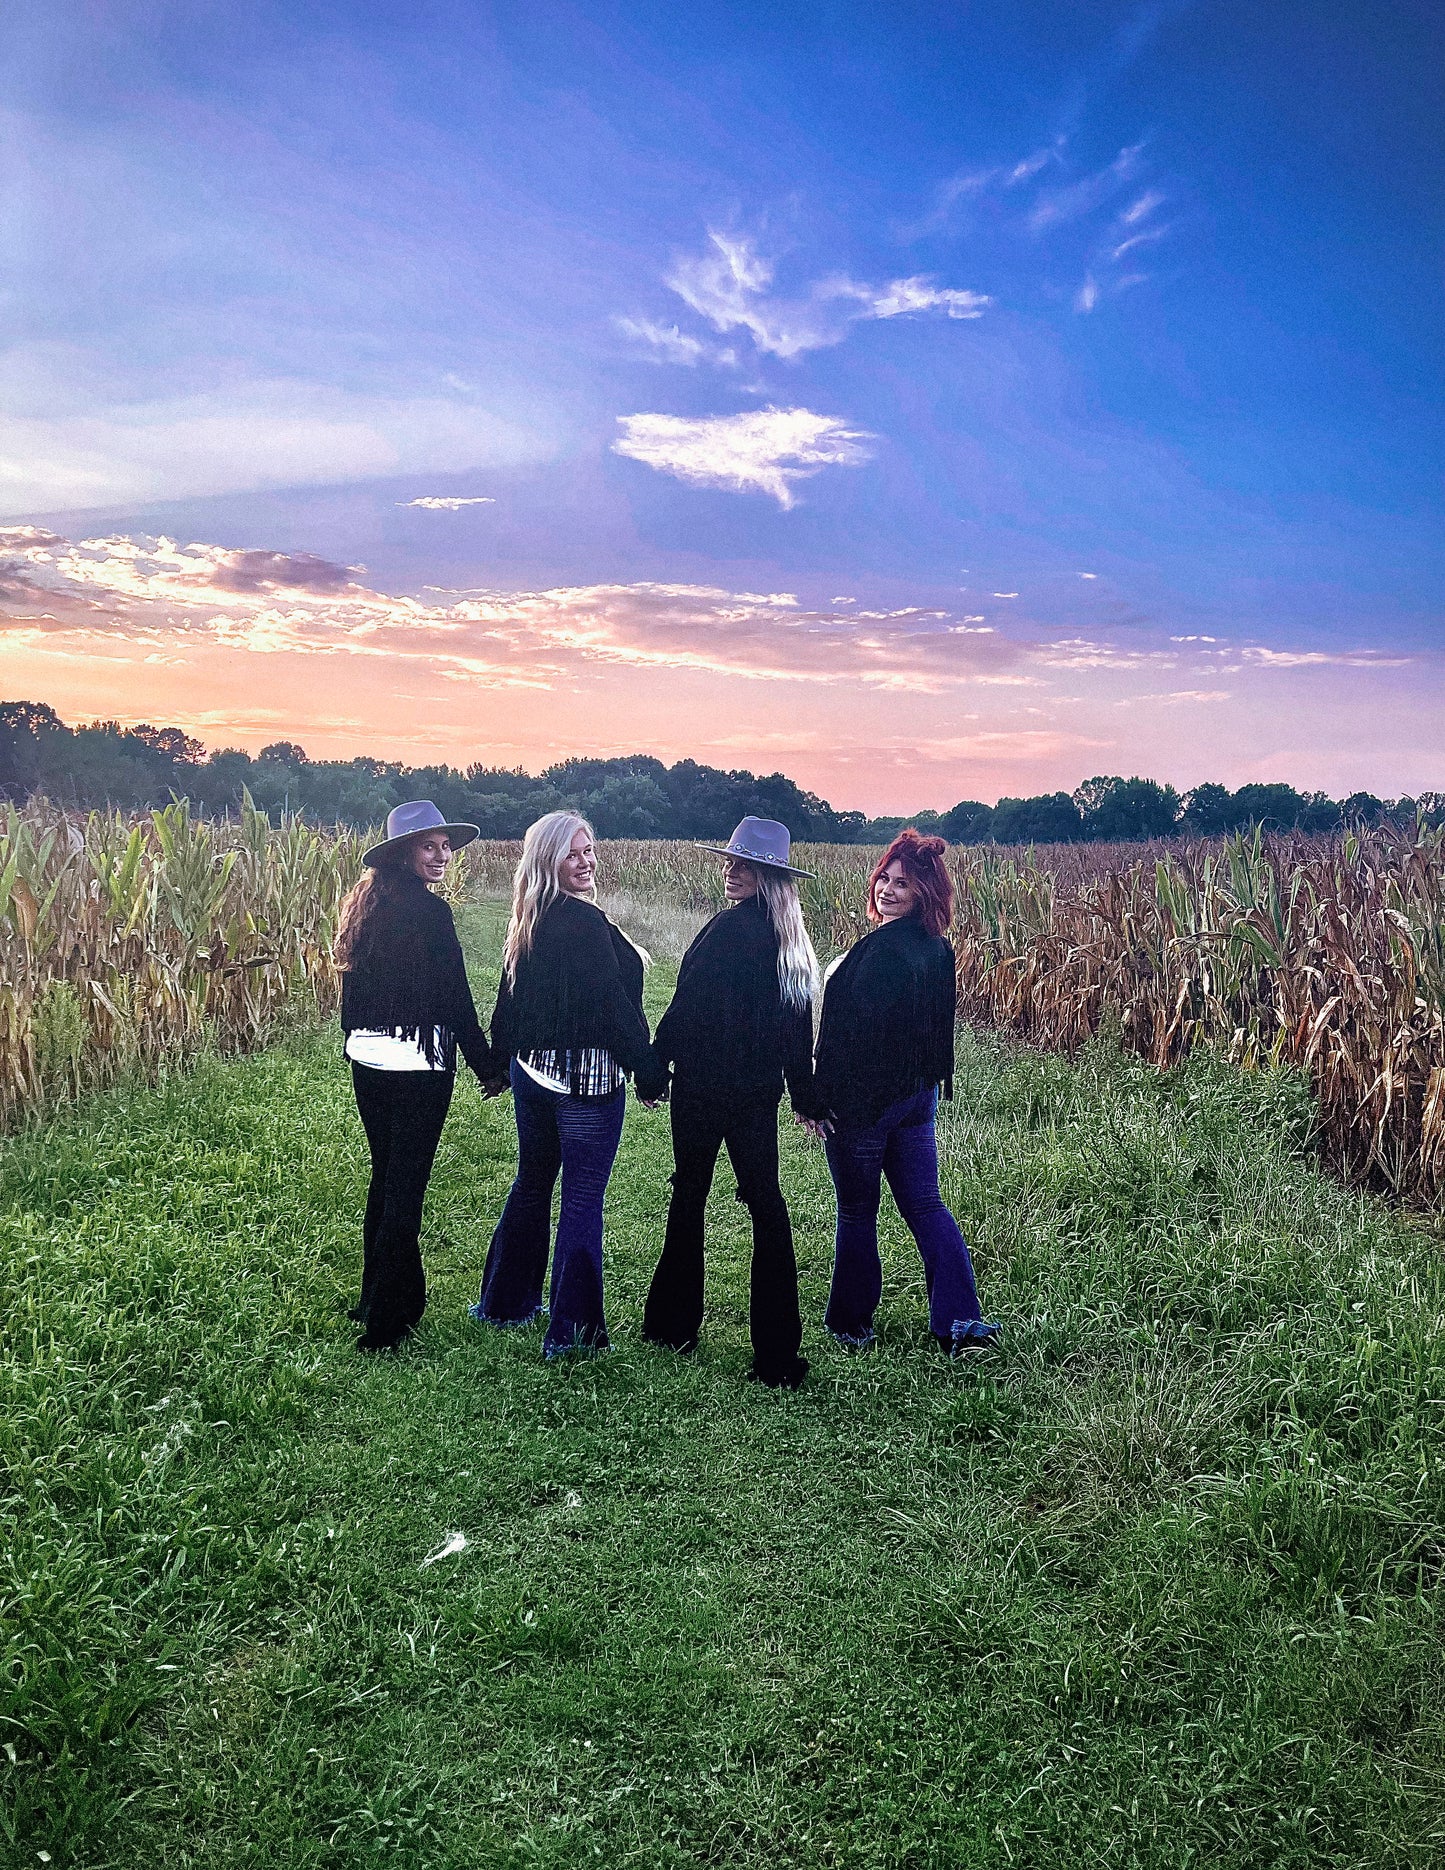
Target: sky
x,y
926,401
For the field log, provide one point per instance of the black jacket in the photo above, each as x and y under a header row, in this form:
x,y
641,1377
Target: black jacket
x,y
407,976
727,1034
887,1027
579,986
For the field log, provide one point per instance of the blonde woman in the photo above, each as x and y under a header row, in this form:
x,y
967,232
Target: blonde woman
x,y
740,1022
569,1020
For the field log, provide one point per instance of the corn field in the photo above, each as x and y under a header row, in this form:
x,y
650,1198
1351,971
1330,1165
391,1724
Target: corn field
x,y
129,945
1328,956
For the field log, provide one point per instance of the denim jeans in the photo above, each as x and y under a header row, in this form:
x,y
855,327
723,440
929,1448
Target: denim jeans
x,y
402,1113
901,1145
700,1128
578,1136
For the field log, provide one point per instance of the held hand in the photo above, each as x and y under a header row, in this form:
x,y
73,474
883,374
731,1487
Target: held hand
x,y
495,1085
818,1129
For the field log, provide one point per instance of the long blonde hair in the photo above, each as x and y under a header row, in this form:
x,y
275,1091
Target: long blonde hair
x,y
797,963
535,885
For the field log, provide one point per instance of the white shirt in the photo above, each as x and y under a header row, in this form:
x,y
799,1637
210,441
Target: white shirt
x,y
383,1051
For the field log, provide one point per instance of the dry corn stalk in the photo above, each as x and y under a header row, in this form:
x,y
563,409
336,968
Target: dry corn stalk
x,y
128,944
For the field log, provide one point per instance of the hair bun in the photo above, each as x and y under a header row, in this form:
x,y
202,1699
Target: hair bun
x,y
932,845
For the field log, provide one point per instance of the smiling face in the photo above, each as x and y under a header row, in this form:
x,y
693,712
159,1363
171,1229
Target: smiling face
x,y
895,894
578,866
429,854
740,880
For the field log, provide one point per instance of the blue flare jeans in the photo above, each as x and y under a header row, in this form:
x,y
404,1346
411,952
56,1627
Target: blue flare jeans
x,y
579,1137
902,1145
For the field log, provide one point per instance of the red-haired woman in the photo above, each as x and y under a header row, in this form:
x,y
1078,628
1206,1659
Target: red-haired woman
x,y
884,1047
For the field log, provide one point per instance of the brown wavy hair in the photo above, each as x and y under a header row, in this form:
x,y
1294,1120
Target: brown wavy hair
x,y
922,860
378,885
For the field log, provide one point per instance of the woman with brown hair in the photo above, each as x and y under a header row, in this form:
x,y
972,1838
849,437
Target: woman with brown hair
x,y
884,1047
406,1008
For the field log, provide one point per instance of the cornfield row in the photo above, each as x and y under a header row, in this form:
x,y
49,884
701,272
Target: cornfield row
x,y
130,945
127,946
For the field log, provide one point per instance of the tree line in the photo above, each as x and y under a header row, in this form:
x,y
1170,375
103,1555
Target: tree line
x,y
102,764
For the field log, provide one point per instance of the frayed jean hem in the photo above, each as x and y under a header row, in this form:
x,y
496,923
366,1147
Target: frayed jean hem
x,y
969,1333
476,1313
557,1353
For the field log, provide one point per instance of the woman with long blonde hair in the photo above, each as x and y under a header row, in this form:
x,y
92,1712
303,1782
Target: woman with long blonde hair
x,y
569,1028
740,1022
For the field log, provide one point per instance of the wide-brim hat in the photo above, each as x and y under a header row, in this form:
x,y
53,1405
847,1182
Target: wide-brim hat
x,y
407,821
761,841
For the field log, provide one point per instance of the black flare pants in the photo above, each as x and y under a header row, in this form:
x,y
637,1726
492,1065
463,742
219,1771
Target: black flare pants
x,y
748,1129
402,1113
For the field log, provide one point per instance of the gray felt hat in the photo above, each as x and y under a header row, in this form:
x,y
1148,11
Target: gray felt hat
x,y
407,820
761,841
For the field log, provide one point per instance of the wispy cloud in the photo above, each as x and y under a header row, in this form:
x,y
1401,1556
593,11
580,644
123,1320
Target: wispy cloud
x,y
1315,658
919,294
449,503
1143,207
1076,199
730,286
272,433
952,196
765,451
1069,218
156,597
1131,229
665,343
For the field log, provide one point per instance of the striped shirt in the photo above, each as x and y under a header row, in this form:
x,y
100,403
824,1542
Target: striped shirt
x,y
593,1070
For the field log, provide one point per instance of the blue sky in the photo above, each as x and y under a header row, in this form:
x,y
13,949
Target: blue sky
x,y
1108,332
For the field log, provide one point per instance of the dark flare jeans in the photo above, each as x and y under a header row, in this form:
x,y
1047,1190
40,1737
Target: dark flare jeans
x,y
749,1129
577,1136
402,1113
902,1145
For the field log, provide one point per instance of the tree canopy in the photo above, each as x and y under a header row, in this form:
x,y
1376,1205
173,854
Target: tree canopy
x,y
103,764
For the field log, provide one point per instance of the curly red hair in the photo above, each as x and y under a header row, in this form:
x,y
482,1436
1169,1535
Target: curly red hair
x,y
922,860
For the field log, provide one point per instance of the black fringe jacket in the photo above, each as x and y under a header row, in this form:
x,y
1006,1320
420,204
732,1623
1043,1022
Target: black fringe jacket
x,y
887,1026
578,987
407,977
727,1034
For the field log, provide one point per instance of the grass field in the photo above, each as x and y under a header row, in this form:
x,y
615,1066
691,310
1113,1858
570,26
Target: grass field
x,y
1158,1583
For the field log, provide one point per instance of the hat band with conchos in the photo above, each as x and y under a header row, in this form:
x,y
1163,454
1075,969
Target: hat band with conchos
x,y
407,821
760,841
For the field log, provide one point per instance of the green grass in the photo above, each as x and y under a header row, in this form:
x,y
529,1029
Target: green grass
x,y
1158,1583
